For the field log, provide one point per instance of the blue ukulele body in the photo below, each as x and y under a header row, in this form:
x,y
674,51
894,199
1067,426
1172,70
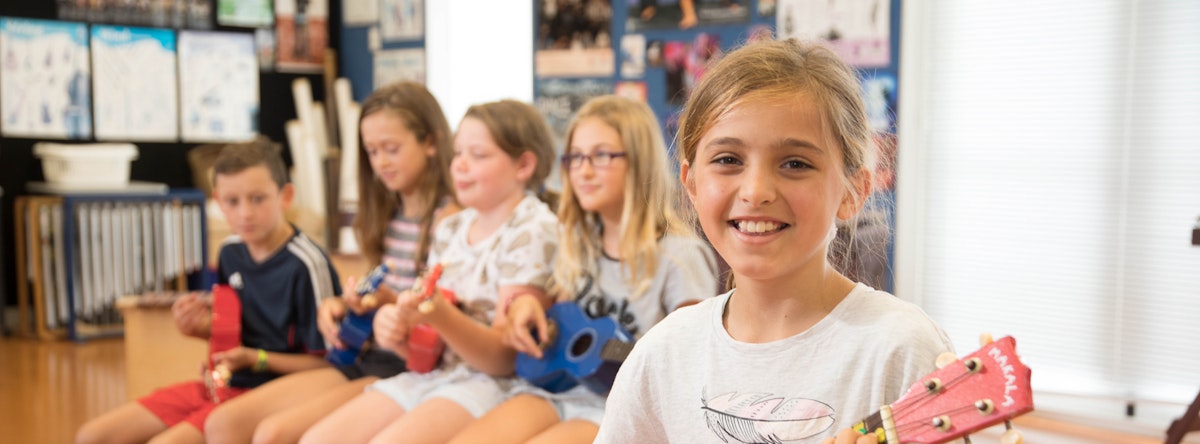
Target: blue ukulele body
x,y
582,351
356,328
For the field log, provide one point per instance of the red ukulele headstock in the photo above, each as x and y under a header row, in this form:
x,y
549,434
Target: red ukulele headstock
x,y
987,387
424,344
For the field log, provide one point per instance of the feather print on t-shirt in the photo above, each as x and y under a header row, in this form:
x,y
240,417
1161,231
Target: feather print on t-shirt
x,y
765,418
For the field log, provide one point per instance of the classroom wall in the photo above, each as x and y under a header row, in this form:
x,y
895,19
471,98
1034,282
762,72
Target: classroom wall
x,y
156,162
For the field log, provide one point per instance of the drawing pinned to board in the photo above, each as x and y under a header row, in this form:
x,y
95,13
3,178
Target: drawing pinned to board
x,y
264,44
394,65
301,34
360,12
858,30
402,20
134,83
633,56
193,14
686,62
218,81
879,93
45,80
573,39
683,14
245,13
632,89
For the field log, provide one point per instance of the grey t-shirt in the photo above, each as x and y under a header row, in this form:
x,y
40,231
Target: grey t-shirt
x,y
688,381
687,270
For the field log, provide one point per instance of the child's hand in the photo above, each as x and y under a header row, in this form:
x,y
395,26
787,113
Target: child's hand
x,y
356,302
391,327
235,358
193,315
850,436
329,315
525,312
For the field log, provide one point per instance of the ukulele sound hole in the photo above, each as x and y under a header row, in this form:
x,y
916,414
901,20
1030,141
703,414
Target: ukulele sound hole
x,y
582,344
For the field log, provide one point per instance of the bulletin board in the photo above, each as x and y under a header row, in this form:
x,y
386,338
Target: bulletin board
x,y
653,51
389,36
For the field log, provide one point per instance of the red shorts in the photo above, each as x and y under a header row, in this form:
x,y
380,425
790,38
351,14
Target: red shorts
x,y
186,401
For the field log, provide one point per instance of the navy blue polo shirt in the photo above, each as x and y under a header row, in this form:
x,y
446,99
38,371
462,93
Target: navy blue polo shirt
x,y
279,298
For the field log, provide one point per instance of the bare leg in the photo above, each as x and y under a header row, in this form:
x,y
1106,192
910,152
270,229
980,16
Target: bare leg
x,y
234,421
356,421
288,425
182,433
513,421
573,431
434,421
129,423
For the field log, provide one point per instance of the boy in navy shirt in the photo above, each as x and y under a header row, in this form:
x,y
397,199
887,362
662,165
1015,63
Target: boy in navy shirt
x,y
280,276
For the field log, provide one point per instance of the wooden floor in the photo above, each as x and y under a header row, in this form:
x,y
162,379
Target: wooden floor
x,y
48,389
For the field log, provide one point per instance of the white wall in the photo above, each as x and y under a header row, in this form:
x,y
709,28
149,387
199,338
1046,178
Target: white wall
x,y
478,51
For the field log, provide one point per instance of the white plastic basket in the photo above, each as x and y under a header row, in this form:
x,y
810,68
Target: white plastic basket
x,y
97,165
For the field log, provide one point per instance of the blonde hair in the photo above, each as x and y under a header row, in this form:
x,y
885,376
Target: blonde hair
x,y
517,127
421,114
648,212
771,70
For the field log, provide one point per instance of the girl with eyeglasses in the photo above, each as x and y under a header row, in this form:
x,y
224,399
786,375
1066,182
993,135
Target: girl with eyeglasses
x,y
635,262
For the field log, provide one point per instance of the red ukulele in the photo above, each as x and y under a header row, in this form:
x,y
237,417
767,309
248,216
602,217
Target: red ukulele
x,y
225,333
424,345
985,388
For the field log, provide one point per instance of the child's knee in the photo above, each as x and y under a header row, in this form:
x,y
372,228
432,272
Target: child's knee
x,y
225,426
90,433
269,430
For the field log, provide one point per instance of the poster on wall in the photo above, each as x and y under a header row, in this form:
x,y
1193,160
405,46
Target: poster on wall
x,y
685,62
360,12
633,56
859,30
574,39
402,20
264,44
134,80
218,82
245,13
194,14
672,14
301,34
394,65
45,80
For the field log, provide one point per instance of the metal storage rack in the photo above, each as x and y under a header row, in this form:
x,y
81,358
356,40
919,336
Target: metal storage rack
x,y
77,253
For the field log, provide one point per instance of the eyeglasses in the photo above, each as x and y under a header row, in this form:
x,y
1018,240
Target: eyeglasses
x,y
598,159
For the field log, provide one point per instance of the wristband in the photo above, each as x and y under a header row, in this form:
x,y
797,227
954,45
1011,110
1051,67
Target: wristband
x,y
261,365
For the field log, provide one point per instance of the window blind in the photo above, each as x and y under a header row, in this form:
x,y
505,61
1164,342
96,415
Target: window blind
x,y
1049,176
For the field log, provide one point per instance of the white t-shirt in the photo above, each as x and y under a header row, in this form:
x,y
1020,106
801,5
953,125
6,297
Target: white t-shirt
x,y
520,252
688,381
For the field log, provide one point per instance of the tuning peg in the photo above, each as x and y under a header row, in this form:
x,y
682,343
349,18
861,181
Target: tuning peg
x,y
985,339
1012,435
945,359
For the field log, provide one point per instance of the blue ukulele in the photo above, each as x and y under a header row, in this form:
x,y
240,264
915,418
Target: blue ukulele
x,y
356,328
581,350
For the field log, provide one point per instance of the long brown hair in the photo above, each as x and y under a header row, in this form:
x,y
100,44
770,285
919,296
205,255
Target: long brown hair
x,y
422,115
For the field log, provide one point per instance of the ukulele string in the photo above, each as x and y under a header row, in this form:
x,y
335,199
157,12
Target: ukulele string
x,y
916,423
924,398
